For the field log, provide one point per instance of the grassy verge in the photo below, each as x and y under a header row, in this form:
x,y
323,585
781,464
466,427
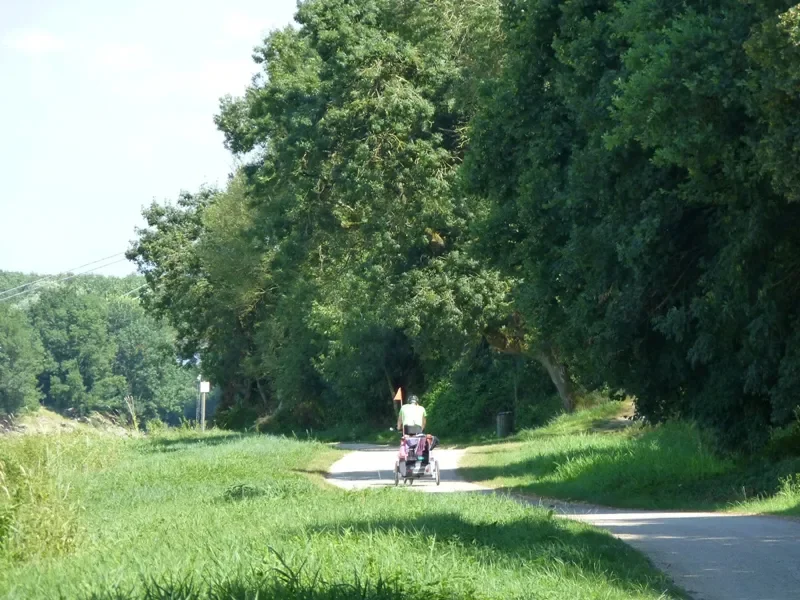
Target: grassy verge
x,y
369,435
351,433
366,434
235,517
594,456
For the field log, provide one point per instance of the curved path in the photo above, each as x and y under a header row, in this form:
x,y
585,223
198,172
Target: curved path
x,y
714,556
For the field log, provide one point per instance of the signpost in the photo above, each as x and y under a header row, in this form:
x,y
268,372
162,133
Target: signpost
x,y
205,387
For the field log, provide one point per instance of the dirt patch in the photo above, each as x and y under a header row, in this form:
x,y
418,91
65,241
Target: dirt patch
x,y
47,422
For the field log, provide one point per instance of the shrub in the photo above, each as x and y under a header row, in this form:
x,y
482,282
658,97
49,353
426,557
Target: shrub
x,y
485,383
155,426
785,441
238,417
304,416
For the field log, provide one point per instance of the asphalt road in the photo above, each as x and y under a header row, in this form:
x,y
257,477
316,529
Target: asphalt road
x,y
713,556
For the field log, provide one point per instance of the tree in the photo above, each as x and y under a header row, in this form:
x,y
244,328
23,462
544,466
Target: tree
x,y
21,357
145,359
78,374
204,279
360,121
630,151
336,263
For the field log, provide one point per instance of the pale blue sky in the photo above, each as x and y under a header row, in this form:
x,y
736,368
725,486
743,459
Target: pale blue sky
x,y
106,105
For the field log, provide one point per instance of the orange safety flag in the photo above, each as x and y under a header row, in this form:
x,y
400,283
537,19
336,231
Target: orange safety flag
x,y
398,397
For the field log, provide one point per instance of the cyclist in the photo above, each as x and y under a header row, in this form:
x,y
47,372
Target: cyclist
x,y
412,417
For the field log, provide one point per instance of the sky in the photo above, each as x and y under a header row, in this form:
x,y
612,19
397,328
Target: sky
x,y
106,106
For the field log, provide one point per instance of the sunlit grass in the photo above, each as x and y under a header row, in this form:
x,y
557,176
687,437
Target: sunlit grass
x,y
232,516
786,501
591,456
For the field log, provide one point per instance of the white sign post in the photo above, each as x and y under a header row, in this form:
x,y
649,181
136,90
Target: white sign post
x,y
205,387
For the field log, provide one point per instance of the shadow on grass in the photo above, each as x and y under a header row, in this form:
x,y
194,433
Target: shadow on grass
x,y
792,511
319,472
283,583
477,440
186,442
392,438
531,540
538,466
365,447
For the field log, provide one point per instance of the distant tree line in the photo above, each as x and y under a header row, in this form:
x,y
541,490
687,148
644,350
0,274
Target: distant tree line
x,y
492,201
84,346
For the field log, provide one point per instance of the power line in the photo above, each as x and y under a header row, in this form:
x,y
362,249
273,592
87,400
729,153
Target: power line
x,y
134,290
94,262
68,277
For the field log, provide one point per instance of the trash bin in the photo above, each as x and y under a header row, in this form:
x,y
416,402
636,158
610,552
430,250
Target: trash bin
x,y
505,423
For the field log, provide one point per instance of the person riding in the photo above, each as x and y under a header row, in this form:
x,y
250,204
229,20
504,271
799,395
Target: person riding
x,y
412,417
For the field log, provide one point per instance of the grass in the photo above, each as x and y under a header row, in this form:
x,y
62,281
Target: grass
x,y
783,502
245,516
365,434
593,456
351,433
38,513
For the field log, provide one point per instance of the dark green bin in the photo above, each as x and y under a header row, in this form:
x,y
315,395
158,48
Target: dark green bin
x,y
505,424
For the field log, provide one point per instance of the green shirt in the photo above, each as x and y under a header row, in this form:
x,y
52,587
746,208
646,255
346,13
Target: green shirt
x,y
412,414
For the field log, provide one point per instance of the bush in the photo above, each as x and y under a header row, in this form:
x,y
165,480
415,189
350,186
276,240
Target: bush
x,y
239,417
538,413
484,383
304,416
155,426
784,442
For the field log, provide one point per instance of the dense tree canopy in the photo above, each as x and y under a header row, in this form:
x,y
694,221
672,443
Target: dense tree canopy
x,y
449,196
86,344
341,255
21,358
631,153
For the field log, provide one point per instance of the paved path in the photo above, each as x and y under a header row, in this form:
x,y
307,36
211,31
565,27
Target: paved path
x,y
373,466
714,556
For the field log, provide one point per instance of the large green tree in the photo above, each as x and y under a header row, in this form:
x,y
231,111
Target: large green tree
x,y
340,258
635,156
73,326
360,121
145,357
21,358
84,345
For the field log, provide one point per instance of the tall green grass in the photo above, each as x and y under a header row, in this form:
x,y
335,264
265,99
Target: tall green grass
x,y
38,514
235,516
590,456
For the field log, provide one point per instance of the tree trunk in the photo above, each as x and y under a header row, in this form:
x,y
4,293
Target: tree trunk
x,y
261,393
558,373
545,355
